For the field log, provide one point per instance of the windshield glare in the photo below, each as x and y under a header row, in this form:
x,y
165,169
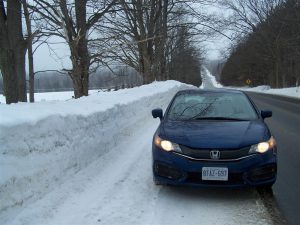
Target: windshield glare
x,y
197,106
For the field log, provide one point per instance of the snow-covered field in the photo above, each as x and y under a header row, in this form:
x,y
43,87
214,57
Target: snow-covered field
x,y
51,96
88,161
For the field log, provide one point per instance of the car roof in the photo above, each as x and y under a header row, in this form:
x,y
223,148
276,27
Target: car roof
x,y
215,90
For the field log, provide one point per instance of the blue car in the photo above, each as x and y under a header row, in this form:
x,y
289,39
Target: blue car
x,y
213,138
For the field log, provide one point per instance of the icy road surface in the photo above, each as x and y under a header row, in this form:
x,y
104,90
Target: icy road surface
x,y
70,182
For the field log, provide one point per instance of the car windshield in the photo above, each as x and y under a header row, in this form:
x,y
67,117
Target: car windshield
x,y
211,106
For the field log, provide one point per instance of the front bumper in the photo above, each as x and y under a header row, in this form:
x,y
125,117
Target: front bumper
x,y
174,169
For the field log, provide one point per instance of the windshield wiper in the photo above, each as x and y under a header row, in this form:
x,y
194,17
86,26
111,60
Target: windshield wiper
x,y
219,118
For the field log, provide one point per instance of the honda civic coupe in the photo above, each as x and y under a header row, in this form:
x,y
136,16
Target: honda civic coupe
x,y
213,138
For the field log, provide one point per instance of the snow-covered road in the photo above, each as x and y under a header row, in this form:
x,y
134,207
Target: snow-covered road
x,y
116,188
208,80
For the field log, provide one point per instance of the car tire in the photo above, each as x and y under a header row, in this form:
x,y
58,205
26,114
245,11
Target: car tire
x,y
156,182
265,189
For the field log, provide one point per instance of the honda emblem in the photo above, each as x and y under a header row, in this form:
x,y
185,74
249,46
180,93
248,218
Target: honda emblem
x,y
215,154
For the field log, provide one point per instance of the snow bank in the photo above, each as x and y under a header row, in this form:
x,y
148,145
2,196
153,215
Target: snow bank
x,y
293,92
290,92
43,143
260,88
209,81
14,114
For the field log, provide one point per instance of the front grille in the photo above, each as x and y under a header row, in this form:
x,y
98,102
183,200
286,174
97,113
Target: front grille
x,y
225,154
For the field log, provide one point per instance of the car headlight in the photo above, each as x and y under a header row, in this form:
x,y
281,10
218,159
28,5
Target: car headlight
x,y
263,147
166,145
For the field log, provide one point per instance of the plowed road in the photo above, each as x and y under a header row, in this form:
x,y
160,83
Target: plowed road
x,y
285,126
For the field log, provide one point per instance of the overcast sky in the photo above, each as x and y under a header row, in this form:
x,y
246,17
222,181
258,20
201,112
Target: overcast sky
x,y
58,56
51,59
215,47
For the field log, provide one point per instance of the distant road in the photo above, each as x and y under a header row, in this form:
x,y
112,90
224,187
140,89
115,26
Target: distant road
x,y
285,126
207,83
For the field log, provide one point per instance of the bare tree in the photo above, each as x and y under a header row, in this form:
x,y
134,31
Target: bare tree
x,y
246,14
140,33
145,24
143,33
186,61
12,51
269,54
249,17
74,21
30,37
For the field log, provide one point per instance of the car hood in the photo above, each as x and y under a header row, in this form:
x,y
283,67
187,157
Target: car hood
x,y
215,134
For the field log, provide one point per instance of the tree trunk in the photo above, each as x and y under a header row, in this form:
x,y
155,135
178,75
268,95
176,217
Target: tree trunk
x,y
31,73
162,74
79,53
271,79
20,54
12,52
148,75
30,51
80,78
10,80
283,78
18,44
277,74
145,64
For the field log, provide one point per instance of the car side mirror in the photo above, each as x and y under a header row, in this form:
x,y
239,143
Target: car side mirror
x,y
266,114
157,113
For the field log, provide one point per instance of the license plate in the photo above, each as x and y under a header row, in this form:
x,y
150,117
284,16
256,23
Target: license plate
x,y
215,173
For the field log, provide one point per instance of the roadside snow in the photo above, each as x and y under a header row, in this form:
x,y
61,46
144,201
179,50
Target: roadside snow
x,y
290,92
88,161
209,81
117,188
15,114
43,143
51,96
